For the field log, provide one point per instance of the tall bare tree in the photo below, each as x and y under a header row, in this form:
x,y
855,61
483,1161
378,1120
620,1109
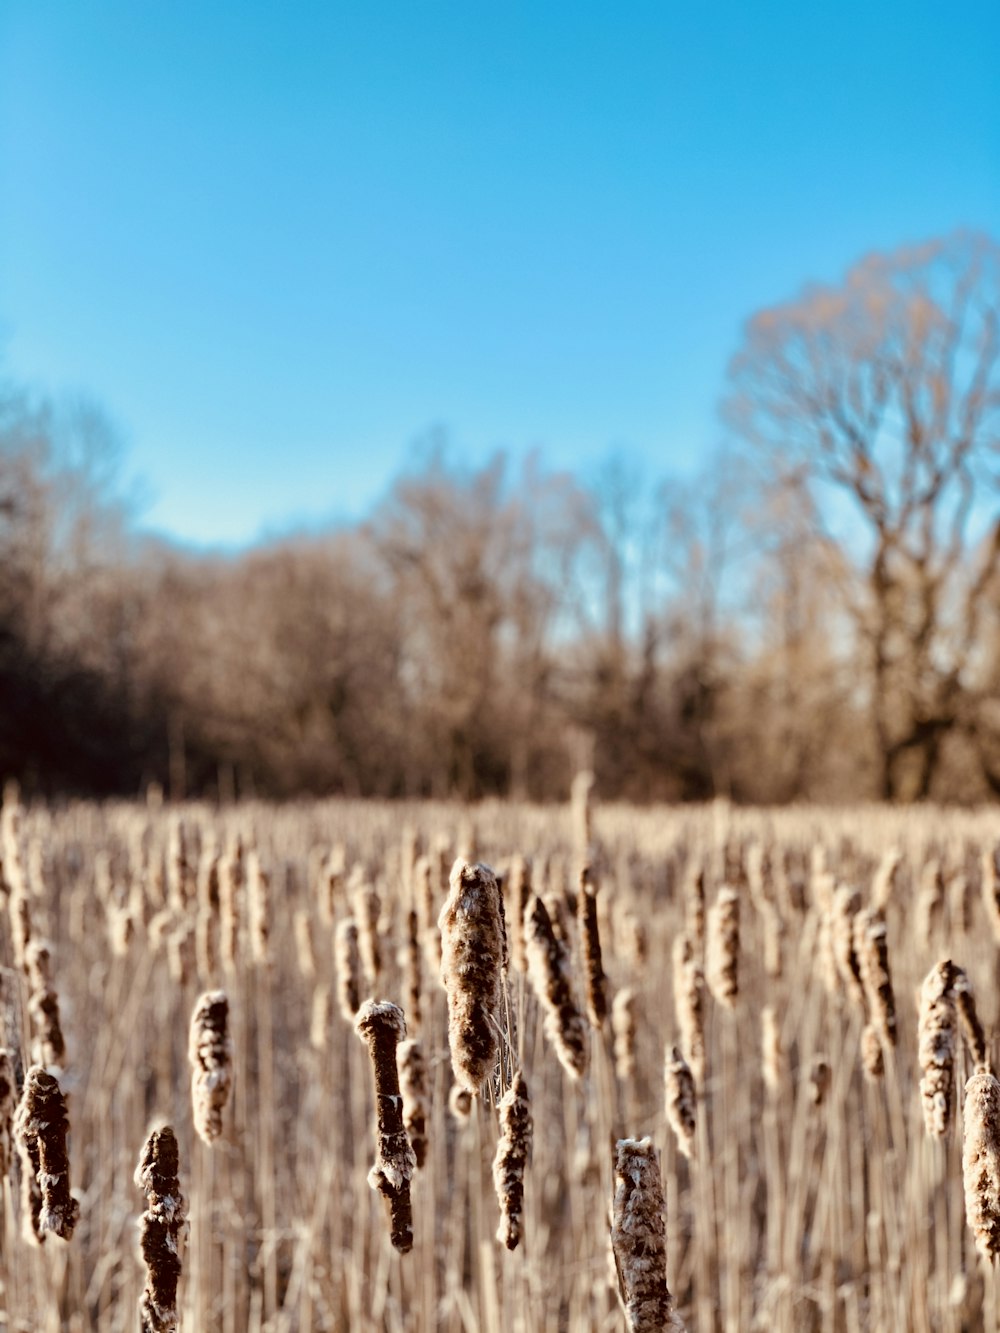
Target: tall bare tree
x,y
876,404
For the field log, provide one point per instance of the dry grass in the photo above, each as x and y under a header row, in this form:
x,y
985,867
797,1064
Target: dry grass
x,y
812,1199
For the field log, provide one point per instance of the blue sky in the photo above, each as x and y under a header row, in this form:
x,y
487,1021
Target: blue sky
x,y
279,243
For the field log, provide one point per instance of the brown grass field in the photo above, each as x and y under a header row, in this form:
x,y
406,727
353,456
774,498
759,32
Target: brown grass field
x,y
813,1197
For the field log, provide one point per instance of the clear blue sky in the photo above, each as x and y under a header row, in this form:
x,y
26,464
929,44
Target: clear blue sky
x,y
280,241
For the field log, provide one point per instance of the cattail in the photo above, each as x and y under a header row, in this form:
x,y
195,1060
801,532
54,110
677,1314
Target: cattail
x,y
210,1054
623,1025
694,908
180,878
41,1126
590,943
347,964
844,907
887,878
7,1090
723,947
519,896
367,909
258,908
583,812
161,1231
460,1103
638,1237
471,959
320,1017
965,1004
548,968
512,1155
872,1056
872,948
689,1006
981,1161
231,881
48,1046
304,956
382,1026
936,1046
411,960
181,953
773,1066
413,1086
991,887
680,1100
121,928
820,1078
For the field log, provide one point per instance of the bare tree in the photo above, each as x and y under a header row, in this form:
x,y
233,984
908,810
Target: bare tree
x,y
876,404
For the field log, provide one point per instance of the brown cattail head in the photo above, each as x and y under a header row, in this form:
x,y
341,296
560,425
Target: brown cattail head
x,y
638,1238
512,1156
773,1064
367,910
590,943
161,1231
936,1047
548,969
472,947
381,1025
624,1026
972,1029
981,1161
723,948
680,1099
413,1087
583,812
41,1126
210,1054
872,948
48,1046
844,907
347,965
689,1006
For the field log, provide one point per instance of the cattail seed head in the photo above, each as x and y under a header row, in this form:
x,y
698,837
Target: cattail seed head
x,y
936,1047
972,1028
872,948
638,1238
381,1025
347,965
623,1025
512,1156
161,1231
590,943
689,1006
41,1126
723,948
413,1087
210,1054
548,969
981,1161
471,960
681,1102
773,1064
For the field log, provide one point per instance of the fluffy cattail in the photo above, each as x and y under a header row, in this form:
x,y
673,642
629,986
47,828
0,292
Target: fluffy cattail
x,y
872,1056
548,968
680,1100
347,964
512,1155
471,960
382,1026
41,1126
689,1006
210,1054
844,907
519,897
936,1046
161,1231
413,1086
871,945
590,944
319,1017
981,1161
425,894
48,1046
773,1066
820,1078
367,909
638,1238
972,1029
723,948
623,1025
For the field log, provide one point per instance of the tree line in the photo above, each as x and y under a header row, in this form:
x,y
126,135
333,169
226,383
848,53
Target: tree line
x,y
812,616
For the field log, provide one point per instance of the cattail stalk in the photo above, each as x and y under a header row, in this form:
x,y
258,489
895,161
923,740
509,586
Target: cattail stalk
x,y
381,1025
